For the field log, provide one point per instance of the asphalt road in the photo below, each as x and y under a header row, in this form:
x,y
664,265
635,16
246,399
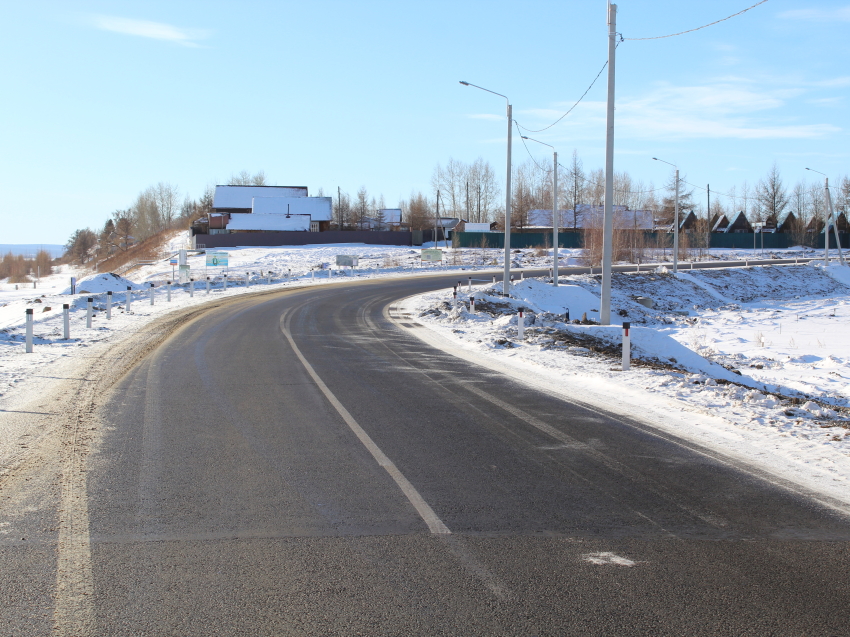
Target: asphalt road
x,y
296,464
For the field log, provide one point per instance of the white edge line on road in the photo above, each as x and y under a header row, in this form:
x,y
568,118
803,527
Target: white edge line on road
x,y
435,525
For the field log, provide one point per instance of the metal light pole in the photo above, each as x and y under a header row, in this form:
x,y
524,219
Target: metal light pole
x,y
554,208
506,281
675,219
827,213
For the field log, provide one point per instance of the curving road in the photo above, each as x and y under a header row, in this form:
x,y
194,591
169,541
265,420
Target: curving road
x,y
296,464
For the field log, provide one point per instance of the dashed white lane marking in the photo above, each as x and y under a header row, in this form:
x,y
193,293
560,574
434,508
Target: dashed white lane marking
x,y
427,514
607,557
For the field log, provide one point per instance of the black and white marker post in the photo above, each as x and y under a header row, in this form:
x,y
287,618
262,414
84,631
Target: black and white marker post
x,y
627,346
30,319
225,283
89,311
109,305
168,289
191,288
520,325
247,279
129,299
66,321
208,285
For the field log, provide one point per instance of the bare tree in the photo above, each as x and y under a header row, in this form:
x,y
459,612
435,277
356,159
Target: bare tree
x,y
166,196
771,196
81,245
419,212
244,178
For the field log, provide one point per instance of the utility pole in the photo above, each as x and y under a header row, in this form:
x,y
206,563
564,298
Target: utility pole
x,y
555,220
708,212
506,277
467,200
437,217
676,228
608,214
339,207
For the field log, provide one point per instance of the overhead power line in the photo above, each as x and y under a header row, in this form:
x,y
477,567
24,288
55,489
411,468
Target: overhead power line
x,y
705,26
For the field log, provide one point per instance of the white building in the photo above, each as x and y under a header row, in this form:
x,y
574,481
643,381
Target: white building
x,y
269,209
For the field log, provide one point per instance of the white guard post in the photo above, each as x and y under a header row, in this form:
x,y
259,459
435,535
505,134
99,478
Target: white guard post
x,y
150,292
30,319
191,288
66,321
208,285
454,297
109,305
89,302
627,346
247,279
129,299
469,285
225,283
520,325
168,288
472,304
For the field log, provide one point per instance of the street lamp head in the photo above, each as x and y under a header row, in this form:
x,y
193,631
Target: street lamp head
x,y
464,83
655,158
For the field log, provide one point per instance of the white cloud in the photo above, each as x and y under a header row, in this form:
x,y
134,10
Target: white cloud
x,y
841,14
147,29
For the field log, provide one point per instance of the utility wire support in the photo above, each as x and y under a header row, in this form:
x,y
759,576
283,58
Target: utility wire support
x,y
705,26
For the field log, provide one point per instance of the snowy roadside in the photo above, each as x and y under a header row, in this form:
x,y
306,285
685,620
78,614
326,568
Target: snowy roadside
x,y
749,362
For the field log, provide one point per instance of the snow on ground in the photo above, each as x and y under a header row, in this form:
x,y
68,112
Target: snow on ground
x,y
755,357
778,327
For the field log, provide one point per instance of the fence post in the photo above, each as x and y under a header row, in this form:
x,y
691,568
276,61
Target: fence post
x,y
191,288
66,321
168,288
30,319
109,305
89,310
150,293
129,298
627,346
520,325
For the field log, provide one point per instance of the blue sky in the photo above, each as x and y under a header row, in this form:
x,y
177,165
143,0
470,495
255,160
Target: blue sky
x,y
104,98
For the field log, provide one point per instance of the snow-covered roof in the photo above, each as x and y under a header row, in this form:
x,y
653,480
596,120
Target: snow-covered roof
x,y
241,196
319,208
391,215
592,215
256,221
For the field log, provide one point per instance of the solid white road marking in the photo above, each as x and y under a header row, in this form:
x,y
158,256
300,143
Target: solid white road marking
x,y
427,514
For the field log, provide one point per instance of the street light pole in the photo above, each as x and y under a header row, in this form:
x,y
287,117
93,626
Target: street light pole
x,y
506,281
675,218
829,212
554,208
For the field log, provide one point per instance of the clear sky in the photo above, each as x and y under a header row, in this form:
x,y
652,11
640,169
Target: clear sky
x,y
101,99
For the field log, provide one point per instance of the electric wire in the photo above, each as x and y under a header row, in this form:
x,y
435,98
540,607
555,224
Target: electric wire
x,y
705,26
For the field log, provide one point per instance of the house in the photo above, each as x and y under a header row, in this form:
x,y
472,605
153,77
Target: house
x,y
689,223
720,223
740,224
788,224
268,209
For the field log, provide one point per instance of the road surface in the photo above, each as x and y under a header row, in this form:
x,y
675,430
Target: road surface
x,y
296,464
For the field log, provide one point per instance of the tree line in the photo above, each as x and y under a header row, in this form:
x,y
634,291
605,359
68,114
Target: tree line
x,y
472,191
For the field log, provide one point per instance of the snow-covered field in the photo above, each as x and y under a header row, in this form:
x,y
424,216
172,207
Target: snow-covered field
x,y
782,328
754,358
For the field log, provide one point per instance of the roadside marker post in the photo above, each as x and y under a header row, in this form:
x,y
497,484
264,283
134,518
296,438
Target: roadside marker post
x,y
494,278
208,285
288,275
225,283
109,305
168,289
472,305
627,346
520,325
566,315
30,319
150,293
89,310
66,322
454,297
191,288
521,273
129,299
469,284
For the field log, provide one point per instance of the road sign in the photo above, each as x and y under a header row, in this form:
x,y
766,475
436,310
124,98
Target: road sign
x,y
432,254
173,261
217,259
346,259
